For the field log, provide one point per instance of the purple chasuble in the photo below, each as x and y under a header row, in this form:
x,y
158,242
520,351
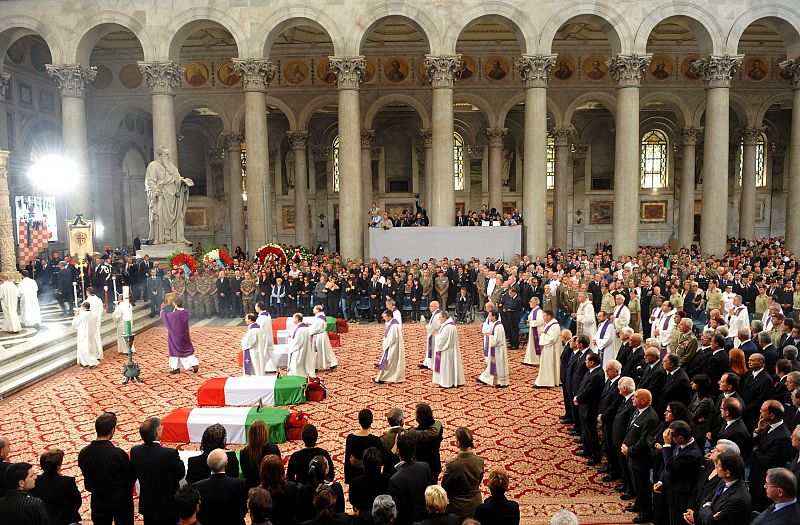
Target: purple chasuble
x,y
605,327
178,340
296,328
385,356
438,361
536,346
666,322
430,337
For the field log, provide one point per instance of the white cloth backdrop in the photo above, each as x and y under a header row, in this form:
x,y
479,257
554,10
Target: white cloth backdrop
x,y
464,242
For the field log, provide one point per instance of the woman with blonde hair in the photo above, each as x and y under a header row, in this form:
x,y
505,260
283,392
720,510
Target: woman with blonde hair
x,y
436,508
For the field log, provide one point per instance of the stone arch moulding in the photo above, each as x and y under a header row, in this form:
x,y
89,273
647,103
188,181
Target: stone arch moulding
x,y
131,145
673,102
788,27
318,103
608,100
379,104
769,102
614,26
92,28
523,26
113,117
238,117
479,102
15,27
291,15
408,13
552,109
744,114
181,25
186,106
701,23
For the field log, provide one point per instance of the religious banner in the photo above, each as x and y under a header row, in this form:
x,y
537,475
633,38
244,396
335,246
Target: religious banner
x,y
81,238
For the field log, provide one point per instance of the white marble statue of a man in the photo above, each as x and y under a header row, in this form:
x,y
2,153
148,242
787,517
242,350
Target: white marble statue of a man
x,y
167,199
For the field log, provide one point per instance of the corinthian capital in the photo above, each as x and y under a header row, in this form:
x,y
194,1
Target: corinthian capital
x,y
349,71
367,136
718,70
256,73
790,67
425,137
561,136
71,78
534,70
161,77
5,84
690,136
232,140
750,136
441,69
628,70
297,139
495,136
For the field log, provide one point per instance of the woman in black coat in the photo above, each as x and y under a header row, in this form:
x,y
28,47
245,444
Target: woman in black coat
x,y
253,453
355,445
59,493
497,509
284,493
317,481
214,437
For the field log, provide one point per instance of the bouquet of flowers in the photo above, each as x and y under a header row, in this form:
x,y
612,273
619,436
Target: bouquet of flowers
x,y
184,261
218,256
299,253
272,252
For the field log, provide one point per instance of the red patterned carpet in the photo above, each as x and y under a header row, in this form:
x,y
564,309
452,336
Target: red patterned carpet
x,y
516,426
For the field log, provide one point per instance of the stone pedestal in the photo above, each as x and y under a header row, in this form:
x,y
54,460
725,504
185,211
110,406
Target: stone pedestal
x,y
160,252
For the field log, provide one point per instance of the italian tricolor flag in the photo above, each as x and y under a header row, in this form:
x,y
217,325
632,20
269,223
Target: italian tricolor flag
x,y
186,425
249,390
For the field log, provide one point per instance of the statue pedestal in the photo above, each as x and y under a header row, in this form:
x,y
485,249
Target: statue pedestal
x,y
160,252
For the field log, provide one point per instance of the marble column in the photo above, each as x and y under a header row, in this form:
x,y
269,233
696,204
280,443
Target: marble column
x,y
424,138
495,138
106,194
367,137
298,140
689,138
561,138
627,71
256,74
349,71
534,70
8,257
442,200
747,197
233,157
163,78
792,69
72,80
717,71
5,85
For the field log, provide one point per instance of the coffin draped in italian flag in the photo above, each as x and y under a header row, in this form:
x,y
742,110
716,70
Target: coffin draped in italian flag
x,y
279,323
249,390
186,425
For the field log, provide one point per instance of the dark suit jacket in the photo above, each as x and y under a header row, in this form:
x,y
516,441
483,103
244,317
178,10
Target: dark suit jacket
x,y
610,401
697,364
197,467
634,361
736,432
774,450
578,372
770,354
718,364
566,356
624,353
676,388
158,469
407,489
498,510
638,437
754,391
653,379
786,516
679,474
619,427
749,348
61,496
223,500
731,507
589,392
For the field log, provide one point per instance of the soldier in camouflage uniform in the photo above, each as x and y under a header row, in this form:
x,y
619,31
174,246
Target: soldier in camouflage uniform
x,y
194,305
178,284
205,289
248,290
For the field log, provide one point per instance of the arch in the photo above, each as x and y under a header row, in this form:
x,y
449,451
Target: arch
x,y
14,27
480,103
113,117
770,101
788,27
411,15
188,105
700,22
744,113
608,100
94,27
184,23
552,108
523,26
318,103
379,104
39,124
131,145
290,15
238,118
674,102
614,25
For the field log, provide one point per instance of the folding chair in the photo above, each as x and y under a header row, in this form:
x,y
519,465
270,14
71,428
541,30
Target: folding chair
x,y
364,306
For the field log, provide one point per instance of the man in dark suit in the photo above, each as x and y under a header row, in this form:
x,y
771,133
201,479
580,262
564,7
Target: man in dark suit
x,y
610,401
636,448
619,428
644,300
676,386
587,399
780,391
59,493
222,292
5,450
653,375
782,490
511,306
223,500
682,459
772,448
732,427
755,388
719,362
634,364
407,486
768,350
569,356
697,364
730,502
108,475
794,464
155,292
158,469
578,371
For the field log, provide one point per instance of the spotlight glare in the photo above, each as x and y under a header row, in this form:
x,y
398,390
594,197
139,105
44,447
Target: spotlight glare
x,y
54,174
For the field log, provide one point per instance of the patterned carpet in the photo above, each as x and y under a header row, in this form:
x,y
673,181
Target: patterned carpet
x,y
516,426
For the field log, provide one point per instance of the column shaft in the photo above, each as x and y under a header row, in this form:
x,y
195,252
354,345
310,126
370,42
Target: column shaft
x,y
255,136
351,207
298,141
233,159
427,161
8,257
443,194
561,187
793,189
76,147
686,215
5,85
747,198
164,131
495,136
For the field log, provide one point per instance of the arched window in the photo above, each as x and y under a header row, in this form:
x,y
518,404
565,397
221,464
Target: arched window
x,y
335,157
551,162
654,160
761,165
458,161
244,171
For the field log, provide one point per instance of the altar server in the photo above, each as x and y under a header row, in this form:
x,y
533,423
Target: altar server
x,y
30,313
448,371
181,350
252,347
496,372
536,323
9,296
320,343
267,351
301,357
550,360
434,323
392,366
486,328
84,325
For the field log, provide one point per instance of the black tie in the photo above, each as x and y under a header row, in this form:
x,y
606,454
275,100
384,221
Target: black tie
x,y
635,415
608,385
720,489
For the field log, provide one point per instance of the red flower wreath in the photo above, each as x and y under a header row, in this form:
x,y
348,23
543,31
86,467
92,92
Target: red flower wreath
x,y
179,259
271,252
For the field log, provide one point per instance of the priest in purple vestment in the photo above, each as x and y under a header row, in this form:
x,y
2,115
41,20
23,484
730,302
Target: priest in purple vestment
x,y
181,351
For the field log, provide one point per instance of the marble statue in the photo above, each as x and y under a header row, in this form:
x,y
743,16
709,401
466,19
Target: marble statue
x,y
290,168
508,156
167,199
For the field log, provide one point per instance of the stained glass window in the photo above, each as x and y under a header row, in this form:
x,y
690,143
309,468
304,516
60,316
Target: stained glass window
x,y
551,162
761,165
335,156
654,160
458,161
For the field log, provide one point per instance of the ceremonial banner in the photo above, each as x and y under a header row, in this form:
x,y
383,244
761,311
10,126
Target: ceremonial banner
x,y
249,390
38,209
81,238
186,425
32,240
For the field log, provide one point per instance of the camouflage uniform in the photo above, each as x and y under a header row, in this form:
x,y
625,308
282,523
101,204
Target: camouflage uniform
x,y
178,285
192,302
205,287
248,289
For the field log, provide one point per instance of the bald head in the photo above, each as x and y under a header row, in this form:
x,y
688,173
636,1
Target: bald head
x,y
5,448
217,460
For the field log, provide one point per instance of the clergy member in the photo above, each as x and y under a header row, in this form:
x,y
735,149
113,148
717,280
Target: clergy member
x,y
396,313
448,371
585,318
486,327
9,296
84,324
550,360
605,339
738,316
181,351
120,310
252,347
97,308
301,356
320,343
265,324
430,329
496,372
392,367
666,325
30,313
535,324
621,317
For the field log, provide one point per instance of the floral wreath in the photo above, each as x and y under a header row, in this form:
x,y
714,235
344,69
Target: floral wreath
x,y
272,252
218,256
183,260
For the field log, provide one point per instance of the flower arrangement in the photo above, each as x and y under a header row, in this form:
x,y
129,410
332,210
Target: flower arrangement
x,y
218,256
184,261
272,252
